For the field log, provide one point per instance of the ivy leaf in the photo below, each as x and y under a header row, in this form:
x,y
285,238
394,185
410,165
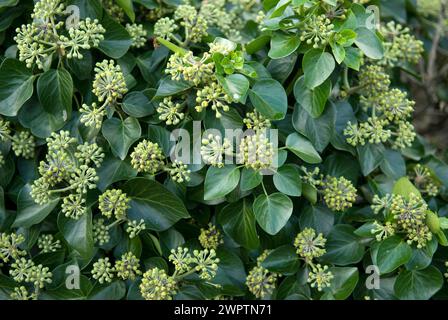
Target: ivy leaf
x,y
318,130
369,43
282,45
238,221
343,246
236,86
16,86
250,179
283,260
418,284
269,98
121,134
152,202
272,211
78,233
287,180
117,40
302,148
55,91
29,212
317,66
344,282
219,182
391,254
113,170
128,8
312,100
137,104
169,87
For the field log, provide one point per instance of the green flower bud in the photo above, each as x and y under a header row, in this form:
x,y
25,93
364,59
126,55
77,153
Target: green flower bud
x,y
213,150
383,232
138,34
128,266
157,285
23,144
170,112
21,293
206,263
74,206
134,227
109,84
100,232
9,246
317,31
256,152
147,157
181,259
21,270
46,243
339,193
213,95
103,271
113,203
92,116
179,172
210,238
165,28
309,245
255,121
319,277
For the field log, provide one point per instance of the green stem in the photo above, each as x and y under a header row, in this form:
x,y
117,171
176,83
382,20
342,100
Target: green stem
x,y
264,188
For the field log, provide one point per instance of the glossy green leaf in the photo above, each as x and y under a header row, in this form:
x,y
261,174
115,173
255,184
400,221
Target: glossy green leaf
x,y
121,134
287,180
317,67
269,98
29,212
238,221
302,148
219,182
152,202
16,86
272,211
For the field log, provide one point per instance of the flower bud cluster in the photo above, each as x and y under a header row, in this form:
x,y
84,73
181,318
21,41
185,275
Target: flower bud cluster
x,y
39,40
256,152
138,34
113,203
403,215
134,227
213,150
190,68
211,237
127,267
424,180
46,243
260,281
68,167
317,30
339,193
400,46
100,231
9,246
213,94
178,171
389,110
255,121
310,245
203,262
147,157
170,112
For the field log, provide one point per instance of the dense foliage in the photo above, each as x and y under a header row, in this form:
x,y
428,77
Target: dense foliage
x,y
119,180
